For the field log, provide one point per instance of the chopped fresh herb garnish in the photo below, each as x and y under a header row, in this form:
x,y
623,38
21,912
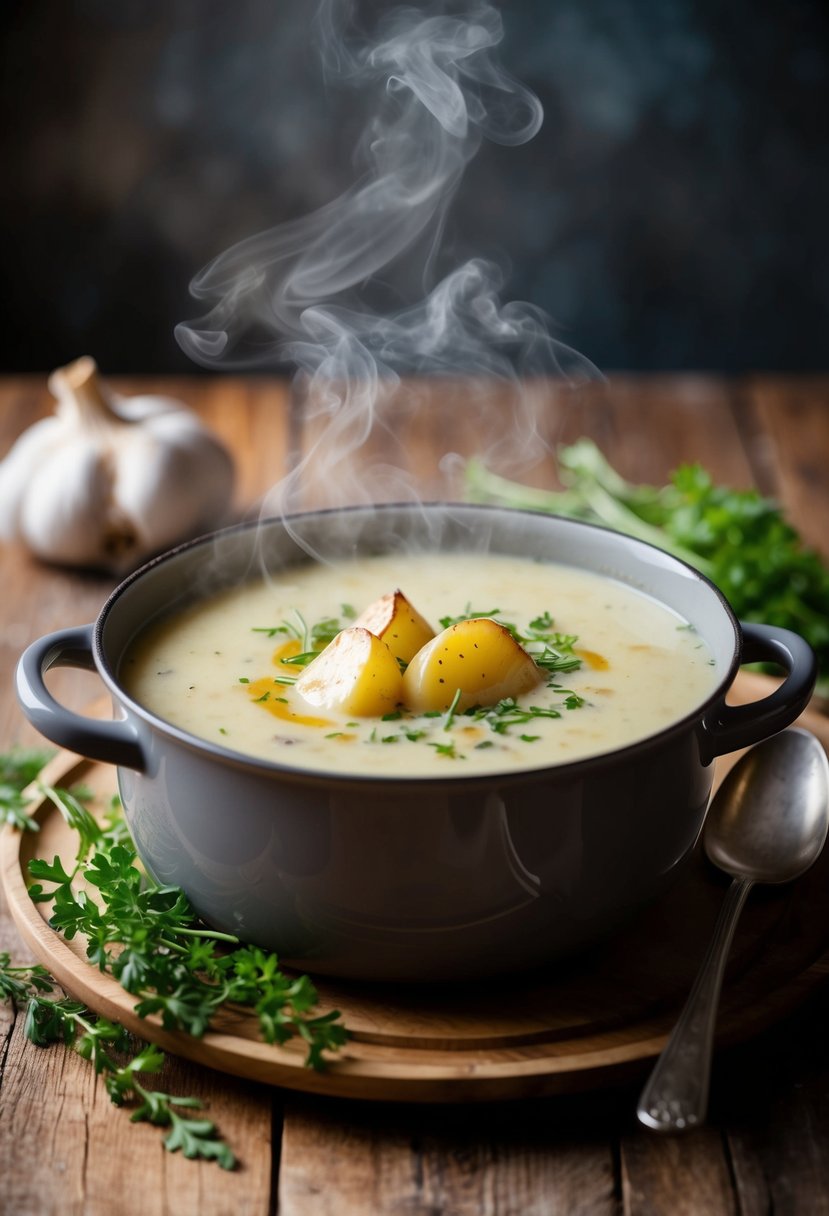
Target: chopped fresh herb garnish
x,y
348,611
324,632
300,660
555,660
300,630
551,650
312,640
244,680
542,623
450,713
448,750
509,713
468,614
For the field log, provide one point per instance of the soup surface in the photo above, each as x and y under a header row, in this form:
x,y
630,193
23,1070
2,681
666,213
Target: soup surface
x,y
615,666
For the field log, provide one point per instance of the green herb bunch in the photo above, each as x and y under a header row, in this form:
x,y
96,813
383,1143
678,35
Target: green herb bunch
x,y
738,538
111,1050
148,937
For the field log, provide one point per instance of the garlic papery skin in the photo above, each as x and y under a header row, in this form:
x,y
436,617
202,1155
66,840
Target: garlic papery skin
x,y
106,481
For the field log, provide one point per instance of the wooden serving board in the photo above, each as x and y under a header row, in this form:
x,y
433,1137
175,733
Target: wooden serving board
x,y
590,1022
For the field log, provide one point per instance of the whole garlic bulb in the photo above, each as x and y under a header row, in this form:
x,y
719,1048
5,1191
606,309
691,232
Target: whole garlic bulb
x,y
106,481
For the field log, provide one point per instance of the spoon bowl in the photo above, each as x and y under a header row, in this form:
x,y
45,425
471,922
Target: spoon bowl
x,y
769,819
768,823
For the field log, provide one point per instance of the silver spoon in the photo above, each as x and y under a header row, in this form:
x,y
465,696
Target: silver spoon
x,y
767,823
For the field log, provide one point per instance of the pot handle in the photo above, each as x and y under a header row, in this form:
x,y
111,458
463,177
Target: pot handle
x,y
726,728
113,742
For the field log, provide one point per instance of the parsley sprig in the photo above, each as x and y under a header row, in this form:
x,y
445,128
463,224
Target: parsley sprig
x,y
50,1020
739,538
18,769
53,1019
147,936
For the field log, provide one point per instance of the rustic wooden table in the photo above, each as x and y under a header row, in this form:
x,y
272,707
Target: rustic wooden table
x,y
64,1148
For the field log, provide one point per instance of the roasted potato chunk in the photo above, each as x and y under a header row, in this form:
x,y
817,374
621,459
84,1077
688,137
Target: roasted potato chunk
x,y
356,674
479,657
393,619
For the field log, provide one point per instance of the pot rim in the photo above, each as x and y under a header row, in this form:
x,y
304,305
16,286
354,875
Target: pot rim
x,y
314,776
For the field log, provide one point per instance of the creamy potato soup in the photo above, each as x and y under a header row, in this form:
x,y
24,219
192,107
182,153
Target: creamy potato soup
x,y
607,666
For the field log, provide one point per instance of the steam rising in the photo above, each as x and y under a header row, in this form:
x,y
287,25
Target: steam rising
x,y
299,292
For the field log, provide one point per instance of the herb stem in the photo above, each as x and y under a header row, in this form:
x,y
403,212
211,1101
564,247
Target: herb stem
x,y
174,947
213,934
305,634
450,714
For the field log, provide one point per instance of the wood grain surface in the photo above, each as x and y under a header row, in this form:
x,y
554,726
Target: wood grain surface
x,y
64,1148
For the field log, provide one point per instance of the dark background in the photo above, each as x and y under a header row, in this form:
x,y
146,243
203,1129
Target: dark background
x,y
670,214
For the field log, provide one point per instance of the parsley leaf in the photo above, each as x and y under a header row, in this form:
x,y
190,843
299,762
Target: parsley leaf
x,y
448,750
18,769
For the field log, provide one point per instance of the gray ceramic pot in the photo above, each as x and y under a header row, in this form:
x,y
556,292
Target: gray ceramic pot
x,y
383,878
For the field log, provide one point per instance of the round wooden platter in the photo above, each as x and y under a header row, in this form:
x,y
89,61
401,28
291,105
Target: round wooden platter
x,y
587,1023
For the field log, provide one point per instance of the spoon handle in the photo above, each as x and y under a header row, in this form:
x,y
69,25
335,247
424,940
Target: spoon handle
x,y
675,1097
